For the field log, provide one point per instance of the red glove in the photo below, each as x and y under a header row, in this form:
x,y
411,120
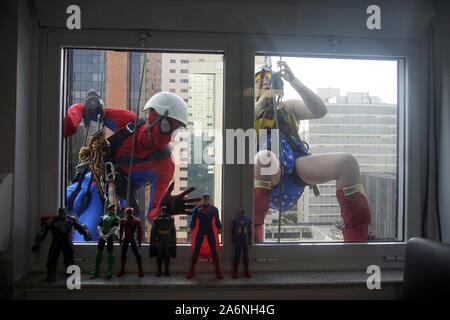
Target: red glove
x,y
178,204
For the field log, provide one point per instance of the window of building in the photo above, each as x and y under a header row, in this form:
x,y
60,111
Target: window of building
x,y
184,80
361,97
87,69
184,70
184,61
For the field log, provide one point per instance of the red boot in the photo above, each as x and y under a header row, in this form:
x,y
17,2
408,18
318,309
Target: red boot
x,y
216,262
262,193
355,212
235,269
122,268
247,271
192,268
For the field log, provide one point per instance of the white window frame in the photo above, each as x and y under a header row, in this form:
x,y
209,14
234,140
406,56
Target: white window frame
x,y
237,180
412,94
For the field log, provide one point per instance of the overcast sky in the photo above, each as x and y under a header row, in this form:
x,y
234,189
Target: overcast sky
x,y
378,77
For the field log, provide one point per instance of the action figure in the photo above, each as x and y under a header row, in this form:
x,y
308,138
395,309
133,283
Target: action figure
x,y
163,240
130,225
299,169
152,160
242,237
205,223
61,227
106,228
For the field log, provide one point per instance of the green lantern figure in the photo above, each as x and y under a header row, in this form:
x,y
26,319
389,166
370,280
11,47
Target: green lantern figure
x,y
107,226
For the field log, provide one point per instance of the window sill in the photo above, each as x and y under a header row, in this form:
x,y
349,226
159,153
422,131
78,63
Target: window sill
x,y
263,285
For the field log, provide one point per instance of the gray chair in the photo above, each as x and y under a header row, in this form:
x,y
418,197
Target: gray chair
x,y
427,270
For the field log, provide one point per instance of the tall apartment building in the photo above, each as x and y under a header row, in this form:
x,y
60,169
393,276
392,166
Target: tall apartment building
x,y
175,79
198,79
365,127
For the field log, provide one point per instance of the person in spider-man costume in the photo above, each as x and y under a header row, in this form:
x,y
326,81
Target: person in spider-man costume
x,y
153,163
205,227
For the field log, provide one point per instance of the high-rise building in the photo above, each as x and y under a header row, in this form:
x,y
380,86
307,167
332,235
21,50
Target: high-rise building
x,y
175,79
198,79
365,127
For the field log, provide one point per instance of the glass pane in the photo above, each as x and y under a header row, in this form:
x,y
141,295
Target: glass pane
x,y
116,76
360,97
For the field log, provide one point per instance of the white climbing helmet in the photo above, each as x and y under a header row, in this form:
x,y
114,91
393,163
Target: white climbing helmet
x,y
168,104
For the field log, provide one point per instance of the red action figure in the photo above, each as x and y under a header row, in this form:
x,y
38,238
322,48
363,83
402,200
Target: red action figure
x,y
130,224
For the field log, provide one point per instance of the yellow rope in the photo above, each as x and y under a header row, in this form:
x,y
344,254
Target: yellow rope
x,y
96,149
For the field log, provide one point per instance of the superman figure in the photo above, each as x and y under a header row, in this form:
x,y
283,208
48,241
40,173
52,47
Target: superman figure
x,y
205,225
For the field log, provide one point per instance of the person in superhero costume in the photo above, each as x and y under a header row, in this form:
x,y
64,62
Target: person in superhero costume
x,y
300,167
153,163
61,228
205,225
106,228
241,231
130,225
163,240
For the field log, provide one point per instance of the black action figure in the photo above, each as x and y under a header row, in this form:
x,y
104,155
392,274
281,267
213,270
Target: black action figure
x,y
61,227
163,240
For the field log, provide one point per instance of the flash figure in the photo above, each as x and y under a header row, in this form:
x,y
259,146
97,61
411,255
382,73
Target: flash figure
x,y
130,225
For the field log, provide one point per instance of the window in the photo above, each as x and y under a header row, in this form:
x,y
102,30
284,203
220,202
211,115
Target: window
x,y
362,120
87,69
184,70
184,61
184,80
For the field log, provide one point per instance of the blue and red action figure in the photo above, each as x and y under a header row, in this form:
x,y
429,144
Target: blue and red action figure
x,y
242,237
205,223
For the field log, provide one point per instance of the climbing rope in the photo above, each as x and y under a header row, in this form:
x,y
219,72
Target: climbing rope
x,y
93,155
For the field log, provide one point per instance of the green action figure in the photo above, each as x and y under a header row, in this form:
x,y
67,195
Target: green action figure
x,y
106,228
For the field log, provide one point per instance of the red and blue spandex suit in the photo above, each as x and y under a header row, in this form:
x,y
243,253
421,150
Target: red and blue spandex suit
x,y
158,172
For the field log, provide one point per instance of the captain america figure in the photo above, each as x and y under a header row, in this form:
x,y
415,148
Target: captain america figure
x,y
242,238
205,221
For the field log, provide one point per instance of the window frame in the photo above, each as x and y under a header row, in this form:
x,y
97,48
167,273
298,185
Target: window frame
x,y
52,92
411,95
237,180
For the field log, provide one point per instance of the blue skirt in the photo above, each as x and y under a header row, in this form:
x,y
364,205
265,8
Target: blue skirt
x,y
291,191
